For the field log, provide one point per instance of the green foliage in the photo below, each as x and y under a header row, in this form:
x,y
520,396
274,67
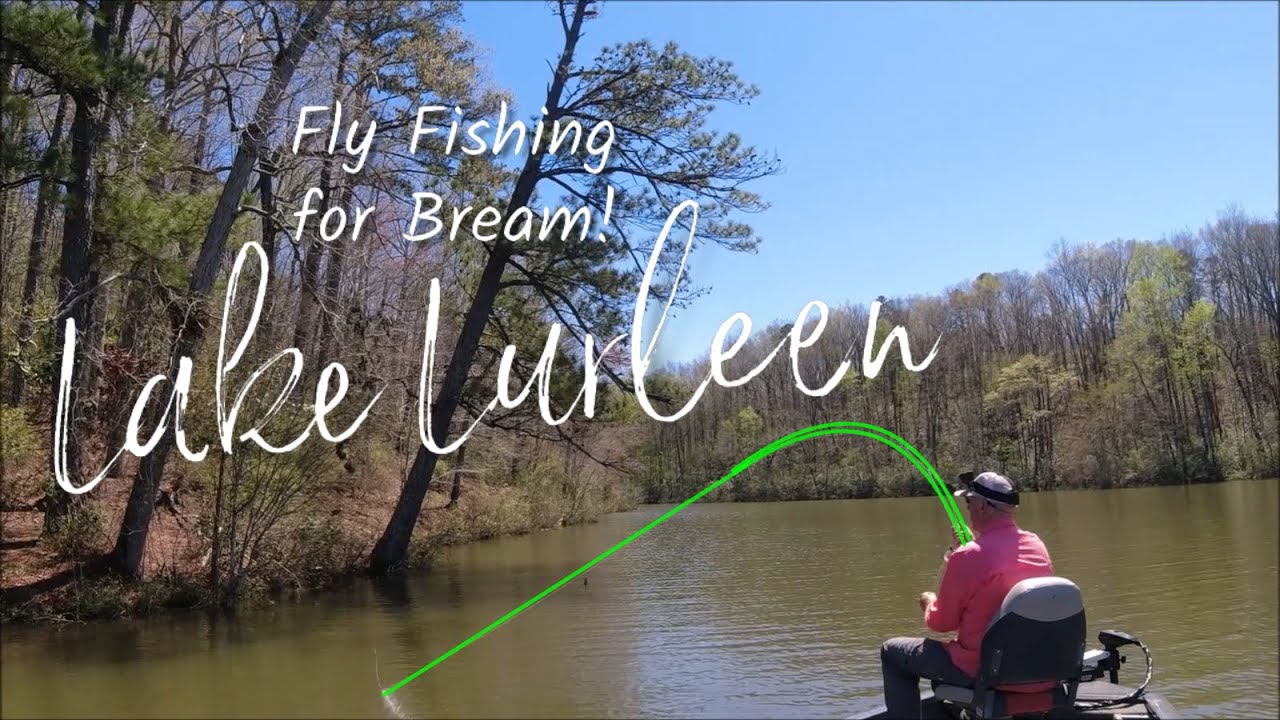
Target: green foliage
x,y
18,151
53,40
81,533
316,549
19,442
155,230
106,599
743,430
1159,294
1014,380
659,101
17,436
39,360
1196,352
1122,364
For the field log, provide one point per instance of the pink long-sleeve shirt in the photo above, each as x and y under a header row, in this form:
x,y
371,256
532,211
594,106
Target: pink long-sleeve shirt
x,y
978,575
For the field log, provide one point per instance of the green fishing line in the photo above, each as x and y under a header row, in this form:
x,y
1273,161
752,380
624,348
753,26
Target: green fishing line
x,y
835,428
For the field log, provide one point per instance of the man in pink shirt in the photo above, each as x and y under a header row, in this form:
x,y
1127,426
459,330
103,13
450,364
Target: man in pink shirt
x,y
977,577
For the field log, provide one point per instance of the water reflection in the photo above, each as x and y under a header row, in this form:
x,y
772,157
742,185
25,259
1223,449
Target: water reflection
x,y
747,610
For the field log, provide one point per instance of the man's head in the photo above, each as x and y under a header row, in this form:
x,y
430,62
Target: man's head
x,y
988,497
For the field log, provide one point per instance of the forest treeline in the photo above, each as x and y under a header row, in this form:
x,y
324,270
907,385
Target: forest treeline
x,y
145,143
1126,362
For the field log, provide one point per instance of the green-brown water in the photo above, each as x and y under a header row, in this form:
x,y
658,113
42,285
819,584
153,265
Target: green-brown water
x,y
751,610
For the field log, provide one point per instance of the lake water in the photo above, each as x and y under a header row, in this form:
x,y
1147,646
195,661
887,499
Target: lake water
x,y
732,610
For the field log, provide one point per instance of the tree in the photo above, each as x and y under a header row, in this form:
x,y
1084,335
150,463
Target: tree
x,y
188,330
92,69
657,100
46,195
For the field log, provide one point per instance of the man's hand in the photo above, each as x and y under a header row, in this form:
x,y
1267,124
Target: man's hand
x,y
926,599
955,545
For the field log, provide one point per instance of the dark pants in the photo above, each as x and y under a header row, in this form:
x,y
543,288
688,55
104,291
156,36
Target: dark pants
x,y
903,662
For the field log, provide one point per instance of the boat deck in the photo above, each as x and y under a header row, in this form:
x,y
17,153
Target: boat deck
x,y
1151,705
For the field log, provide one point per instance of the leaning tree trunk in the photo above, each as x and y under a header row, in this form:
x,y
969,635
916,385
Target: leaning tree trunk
x,y
389,553
126,557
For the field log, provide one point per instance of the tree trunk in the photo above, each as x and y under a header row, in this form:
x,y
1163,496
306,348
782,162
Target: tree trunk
x,y
117,415
126,557
331,314
88,130
202,136
267,168
95,340
389,553
8,75
456,491
45,196
309,304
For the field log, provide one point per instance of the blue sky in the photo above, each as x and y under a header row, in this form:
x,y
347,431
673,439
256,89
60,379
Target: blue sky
x,y
924,144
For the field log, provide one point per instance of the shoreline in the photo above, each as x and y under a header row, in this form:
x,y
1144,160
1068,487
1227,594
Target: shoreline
x,y
82,592
87,593
323,543
872,491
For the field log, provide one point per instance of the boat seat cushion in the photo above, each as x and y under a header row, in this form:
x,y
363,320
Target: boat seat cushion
x,y
954,693
1009,700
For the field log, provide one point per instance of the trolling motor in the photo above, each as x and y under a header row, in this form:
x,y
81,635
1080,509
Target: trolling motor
x,y
1097,663
1107,661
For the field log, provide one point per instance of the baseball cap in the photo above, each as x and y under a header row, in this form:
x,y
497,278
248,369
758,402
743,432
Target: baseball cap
x,y
989,486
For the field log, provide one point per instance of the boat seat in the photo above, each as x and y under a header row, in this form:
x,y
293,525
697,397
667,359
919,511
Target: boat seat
x,y
953,693
1031,654
1006,701
963,695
